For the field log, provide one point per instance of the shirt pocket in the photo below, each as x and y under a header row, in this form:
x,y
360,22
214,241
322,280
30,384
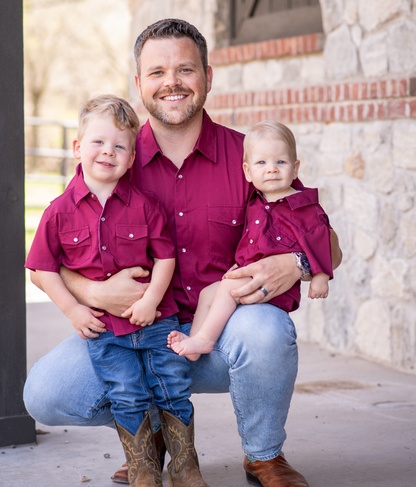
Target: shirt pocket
x,y
225,229
76,245
279,238
132,242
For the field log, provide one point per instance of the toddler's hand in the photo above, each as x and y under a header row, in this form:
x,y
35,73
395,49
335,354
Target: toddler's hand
x,y
85,322
141,313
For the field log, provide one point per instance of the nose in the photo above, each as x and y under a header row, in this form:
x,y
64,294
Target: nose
x,y
108,150
273,167
172,79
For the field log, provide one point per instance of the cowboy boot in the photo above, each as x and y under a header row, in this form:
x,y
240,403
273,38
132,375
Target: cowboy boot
x,y
140,451
121,476
183,469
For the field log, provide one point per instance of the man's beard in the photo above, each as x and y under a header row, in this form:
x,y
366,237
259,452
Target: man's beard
x,y
166,118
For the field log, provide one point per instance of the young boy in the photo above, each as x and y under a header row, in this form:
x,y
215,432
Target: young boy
x,y
99,226
279,219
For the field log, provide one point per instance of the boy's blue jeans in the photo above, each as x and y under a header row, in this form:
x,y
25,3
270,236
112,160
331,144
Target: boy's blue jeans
x,y
138,367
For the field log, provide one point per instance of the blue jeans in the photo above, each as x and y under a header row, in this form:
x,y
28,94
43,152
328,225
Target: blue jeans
x,y
136,367
255,360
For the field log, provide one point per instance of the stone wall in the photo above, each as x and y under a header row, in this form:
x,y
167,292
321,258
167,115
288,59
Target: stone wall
x,y
350,98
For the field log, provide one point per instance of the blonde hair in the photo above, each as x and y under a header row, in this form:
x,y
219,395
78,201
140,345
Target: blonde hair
x,y
273,130
119,110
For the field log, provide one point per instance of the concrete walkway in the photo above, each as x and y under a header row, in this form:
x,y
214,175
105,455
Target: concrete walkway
x,y
351,423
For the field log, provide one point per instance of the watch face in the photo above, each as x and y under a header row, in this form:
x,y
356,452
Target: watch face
x,y
305,262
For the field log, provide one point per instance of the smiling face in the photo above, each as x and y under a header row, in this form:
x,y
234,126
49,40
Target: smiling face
x,y
105,151
172,84
270,166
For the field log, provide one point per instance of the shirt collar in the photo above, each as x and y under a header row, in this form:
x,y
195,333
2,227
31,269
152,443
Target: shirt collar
x,y
206,143
123,189
306,197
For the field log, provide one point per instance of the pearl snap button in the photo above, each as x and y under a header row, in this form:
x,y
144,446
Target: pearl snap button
x,y
131,235
75,239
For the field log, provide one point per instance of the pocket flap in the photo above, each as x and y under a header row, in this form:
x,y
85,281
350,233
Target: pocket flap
x,y
74,237
131,232
227,215
281,236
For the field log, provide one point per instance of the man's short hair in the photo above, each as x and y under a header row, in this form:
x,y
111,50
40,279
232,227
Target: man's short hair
x,y
271,130
168,28
119,110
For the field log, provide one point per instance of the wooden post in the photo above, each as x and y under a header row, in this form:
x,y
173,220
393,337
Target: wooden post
x,y
16,426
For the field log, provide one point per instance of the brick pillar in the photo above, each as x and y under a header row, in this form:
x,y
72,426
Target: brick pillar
x,y
16,426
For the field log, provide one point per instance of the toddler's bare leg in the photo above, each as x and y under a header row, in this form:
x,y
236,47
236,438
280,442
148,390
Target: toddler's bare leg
x,y
204,335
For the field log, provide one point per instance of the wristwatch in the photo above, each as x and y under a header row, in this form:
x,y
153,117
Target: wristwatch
x,y
303,263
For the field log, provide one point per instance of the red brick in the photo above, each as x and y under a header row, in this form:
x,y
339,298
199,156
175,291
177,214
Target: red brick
x,y
332,113
403,87
321,92
364,91
314,113
341,113
383,89
391,109
400,106
412,105
360,112
312,94
297,114
356,91
392,88
290,115
374,90
308,43
324,113
338,92
314,43
347,92
350,109
371,111
380,112
272,48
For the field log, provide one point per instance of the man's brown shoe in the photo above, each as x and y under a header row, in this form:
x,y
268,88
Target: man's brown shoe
x,y
122,474
273,473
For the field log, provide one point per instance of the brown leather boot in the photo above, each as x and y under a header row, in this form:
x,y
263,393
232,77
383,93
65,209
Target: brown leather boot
x,y
121,476
273,473
183,469
140,451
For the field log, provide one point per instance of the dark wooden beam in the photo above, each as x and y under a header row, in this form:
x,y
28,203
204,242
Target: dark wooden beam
x,y
16,426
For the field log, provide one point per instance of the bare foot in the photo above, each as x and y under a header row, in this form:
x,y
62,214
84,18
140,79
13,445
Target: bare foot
x,y
190,347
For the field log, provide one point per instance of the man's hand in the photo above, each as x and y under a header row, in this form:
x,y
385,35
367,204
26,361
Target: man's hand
x,y
118,293
276,274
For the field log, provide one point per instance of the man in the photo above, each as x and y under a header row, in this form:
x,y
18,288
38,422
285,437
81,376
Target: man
x,y
194,167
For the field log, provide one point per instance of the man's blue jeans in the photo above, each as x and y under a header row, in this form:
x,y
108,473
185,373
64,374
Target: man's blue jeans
x,y
136,367
255,360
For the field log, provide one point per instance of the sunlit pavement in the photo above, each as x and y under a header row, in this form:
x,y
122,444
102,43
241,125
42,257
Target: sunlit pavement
x,y
351,423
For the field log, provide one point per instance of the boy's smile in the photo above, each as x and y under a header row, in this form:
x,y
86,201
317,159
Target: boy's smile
x,y
270,168
106,152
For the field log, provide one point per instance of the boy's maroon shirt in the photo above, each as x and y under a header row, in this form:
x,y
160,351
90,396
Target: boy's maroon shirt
x,y
77,232
292,224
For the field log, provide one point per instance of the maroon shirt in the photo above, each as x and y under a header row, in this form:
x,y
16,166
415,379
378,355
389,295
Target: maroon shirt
x,y
77,232
292,224
205,204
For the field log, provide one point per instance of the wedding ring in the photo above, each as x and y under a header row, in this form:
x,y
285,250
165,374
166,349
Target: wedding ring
x,y
264,291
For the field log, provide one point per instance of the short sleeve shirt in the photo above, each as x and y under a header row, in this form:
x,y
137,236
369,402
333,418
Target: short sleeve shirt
x,y
77,232
292,224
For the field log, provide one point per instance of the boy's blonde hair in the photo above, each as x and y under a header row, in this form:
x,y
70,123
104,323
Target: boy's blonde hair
x,y
273,130
120,111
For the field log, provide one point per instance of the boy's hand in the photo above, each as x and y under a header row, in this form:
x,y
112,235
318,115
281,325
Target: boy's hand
x,y
141,313
318,287
85,321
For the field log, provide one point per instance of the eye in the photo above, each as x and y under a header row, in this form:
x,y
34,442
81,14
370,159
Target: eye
x,y
261,162
281,162
120,147
98,141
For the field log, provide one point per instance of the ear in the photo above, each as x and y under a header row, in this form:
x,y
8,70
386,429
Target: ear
x,y
296,169
210,75
246,170
137,81
132,159
76,148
